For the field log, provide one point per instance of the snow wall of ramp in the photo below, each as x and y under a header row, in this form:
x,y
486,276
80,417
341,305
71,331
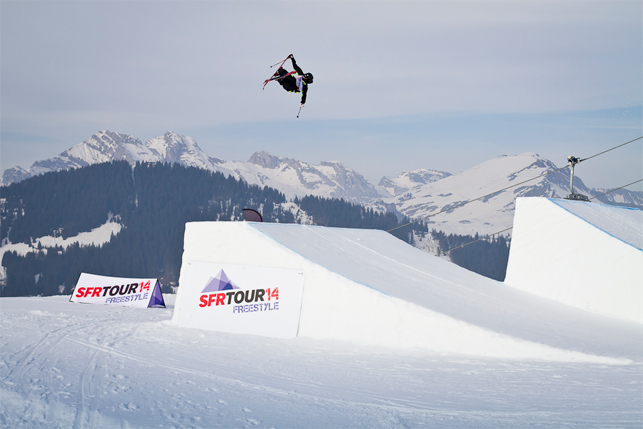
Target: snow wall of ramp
x,y
586,255
368,287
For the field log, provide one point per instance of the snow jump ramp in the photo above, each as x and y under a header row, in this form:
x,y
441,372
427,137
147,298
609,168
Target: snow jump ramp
x,y
370,288
587,255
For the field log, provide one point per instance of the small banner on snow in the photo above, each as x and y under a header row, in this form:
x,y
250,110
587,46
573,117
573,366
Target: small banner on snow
x,y
121,291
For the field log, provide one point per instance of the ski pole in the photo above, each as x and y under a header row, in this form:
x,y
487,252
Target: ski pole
x,y
300,106
280,63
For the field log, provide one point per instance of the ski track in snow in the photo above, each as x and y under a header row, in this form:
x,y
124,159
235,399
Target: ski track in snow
x,y
91,366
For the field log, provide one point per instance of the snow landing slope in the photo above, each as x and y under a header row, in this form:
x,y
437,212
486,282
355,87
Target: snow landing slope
x,y
369,288
587,255
67,365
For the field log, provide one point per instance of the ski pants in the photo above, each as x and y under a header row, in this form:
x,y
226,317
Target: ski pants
x,y
288,83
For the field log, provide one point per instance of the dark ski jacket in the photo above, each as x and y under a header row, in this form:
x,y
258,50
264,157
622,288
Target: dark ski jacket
x,y
289,83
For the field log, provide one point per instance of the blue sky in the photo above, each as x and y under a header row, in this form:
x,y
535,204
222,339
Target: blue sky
x,y
398,85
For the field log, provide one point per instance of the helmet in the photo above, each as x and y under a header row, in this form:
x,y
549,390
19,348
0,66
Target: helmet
x,y
308,78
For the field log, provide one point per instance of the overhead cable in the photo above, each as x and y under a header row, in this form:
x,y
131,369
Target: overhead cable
x,y
481,238
616,189
615,147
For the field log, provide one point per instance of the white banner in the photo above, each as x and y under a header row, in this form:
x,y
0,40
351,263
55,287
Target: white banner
x,y
239,299
122,291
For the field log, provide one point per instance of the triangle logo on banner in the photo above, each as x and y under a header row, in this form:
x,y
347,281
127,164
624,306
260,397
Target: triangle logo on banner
x,y
157,297
219,283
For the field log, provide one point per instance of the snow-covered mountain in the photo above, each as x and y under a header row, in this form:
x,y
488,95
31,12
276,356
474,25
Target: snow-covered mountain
x,y
410,179
174,148
292,177
416,194
298,178
105,146
494,212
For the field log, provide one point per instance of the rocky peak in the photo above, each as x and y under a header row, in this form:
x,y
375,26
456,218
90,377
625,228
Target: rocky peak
x,y
266,160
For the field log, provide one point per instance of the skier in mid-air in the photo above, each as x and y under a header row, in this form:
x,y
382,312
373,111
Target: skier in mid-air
x,y
295,81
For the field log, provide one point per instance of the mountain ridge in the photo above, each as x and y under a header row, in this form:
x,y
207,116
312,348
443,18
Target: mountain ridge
x,y
420,193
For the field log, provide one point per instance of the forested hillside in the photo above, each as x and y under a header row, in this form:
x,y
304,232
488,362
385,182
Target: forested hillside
x,y
67,202
487,257
153,202
339,213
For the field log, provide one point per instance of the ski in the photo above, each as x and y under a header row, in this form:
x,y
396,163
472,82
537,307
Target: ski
x,y
275,77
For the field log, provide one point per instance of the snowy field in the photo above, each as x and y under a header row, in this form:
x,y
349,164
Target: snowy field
x,y
388,337
67,365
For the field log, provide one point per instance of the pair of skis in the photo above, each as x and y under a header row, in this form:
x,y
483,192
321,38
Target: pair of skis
x,y
277,77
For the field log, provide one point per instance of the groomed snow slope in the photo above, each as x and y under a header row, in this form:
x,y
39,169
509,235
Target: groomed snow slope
x,y
587,255
68,365
369,288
